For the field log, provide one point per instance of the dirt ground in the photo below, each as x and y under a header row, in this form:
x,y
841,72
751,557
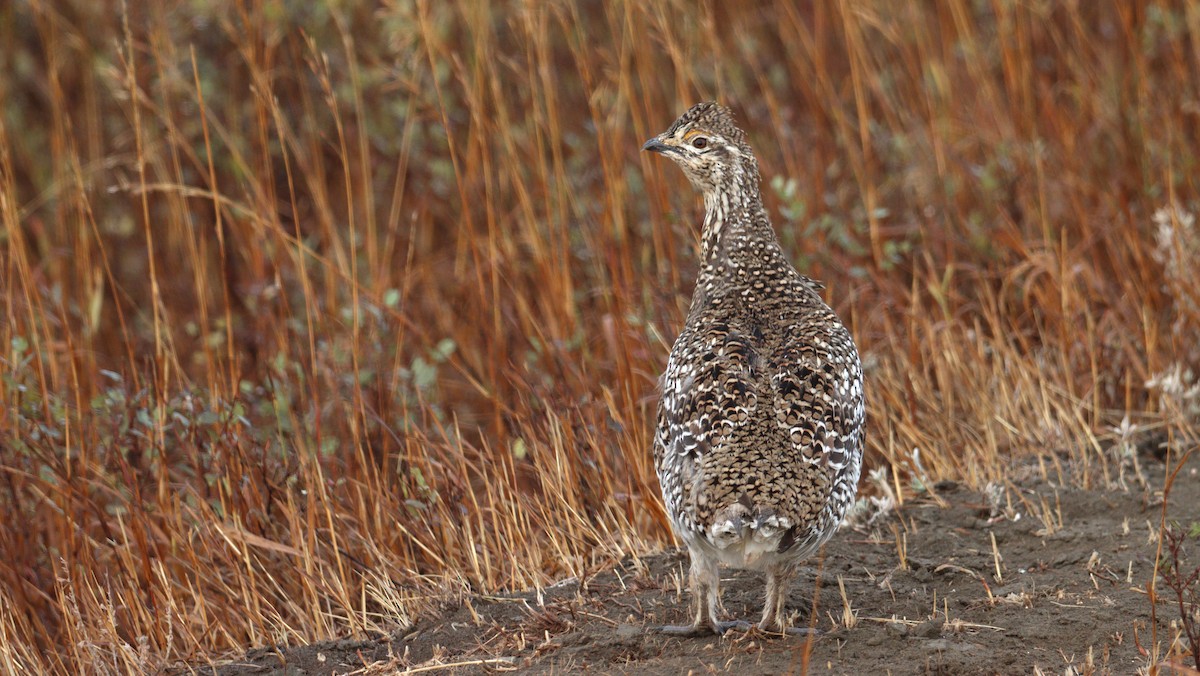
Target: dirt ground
x,y
1069,595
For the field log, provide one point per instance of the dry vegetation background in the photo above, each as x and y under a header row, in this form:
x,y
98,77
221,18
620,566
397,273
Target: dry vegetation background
x,y
313,312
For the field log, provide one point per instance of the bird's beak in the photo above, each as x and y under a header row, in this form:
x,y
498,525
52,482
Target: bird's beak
x,y
656,145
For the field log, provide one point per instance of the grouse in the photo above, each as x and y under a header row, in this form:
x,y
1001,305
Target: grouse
x,y
760,425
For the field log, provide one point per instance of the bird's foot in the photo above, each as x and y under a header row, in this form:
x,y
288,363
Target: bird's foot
x,y
703,628
788,631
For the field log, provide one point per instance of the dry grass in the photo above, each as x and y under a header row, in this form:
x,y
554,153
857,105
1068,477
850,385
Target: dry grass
x,y
313,314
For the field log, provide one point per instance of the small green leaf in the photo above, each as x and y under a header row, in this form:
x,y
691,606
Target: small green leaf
x,y
329,446
445,348
391,298
424,374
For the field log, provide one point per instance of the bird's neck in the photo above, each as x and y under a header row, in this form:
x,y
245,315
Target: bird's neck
x,y
734,216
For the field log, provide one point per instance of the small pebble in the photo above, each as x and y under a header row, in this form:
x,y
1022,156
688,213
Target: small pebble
x,y
929,628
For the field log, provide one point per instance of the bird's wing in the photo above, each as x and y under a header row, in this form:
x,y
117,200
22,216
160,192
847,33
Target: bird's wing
x,y
708,390
818,401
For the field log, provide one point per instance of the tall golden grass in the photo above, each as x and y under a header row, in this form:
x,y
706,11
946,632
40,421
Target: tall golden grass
x,y
314,313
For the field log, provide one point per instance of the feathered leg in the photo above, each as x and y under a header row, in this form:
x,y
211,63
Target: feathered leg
x,y
706,601
774,619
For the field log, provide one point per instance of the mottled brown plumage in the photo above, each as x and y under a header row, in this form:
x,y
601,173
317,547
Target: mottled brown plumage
x,y
759,441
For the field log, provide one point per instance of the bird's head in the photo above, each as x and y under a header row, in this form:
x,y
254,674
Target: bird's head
x,y
707,145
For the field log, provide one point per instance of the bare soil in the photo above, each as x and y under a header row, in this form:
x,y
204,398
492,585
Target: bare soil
x,y
1067,596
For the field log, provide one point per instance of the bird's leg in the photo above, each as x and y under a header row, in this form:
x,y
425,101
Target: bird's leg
x,y
706,601
698,590
774,619
771,606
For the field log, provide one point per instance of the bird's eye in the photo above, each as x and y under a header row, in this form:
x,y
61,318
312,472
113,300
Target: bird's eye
x,y
700,142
